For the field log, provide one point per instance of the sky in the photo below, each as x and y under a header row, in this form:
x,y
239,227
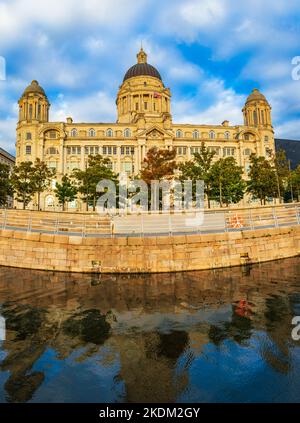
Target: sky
x,y
211,53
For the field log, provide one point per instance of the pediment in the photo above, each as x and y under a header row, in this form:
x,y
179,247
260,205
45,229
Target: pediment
x,y
155,132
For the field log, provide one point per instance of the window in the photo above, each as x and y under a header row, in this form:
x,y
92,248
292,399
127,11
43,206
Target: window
x,y
109,133
109,165
246,137
30,111
92,132
72,166
247,152
127,167
52,151
52,134
228,151
179,133
181,151
195,150
227,135
127,133
145,105
212,135
136,106
28,136
262,117
215,150
266,138
28,149
52,165
74,150
196,134
74,133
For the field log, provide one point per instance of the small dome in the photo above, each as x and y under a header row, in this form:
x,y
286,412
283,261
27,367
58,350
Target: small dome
x,y
34,88
256,95
142,68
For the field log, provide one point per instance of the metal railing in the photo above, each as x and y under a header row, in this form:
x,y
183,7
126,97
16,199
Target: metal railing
x,y
143,224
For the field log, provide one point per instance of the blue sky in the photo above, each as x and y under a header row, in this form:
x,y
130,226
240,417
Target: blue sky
x,y
211,53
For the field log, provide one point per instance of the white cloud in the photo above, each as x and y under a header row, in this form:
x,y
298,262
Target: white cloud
x,y
225,104
98,107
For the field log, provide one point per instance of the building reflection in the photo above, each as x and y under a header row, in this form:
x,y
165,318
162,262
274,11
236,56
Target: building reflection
x,y
154,324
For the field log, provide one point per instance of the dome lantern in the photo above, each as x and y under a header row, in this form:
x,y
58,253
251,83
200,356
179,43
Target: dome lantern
x,y
257,111
34,104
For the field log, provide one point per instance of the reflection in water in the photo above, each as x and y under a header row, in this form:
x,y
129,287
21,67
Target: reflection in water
x,y
222,335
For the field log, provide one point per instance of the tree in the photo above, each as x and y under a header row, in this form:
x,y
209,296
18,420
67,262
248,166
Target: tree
x,y
295,181
199,169
22,179
282,171
97,169
226,181
5,184
65,191
41,178
158,164
262,179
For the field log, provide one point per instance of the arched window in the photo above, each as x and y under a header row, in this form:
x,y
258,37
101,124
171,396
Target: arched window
x,y
196,134
109,133
127,133
179,133
227,135
92,132
247,152
74,132
212,135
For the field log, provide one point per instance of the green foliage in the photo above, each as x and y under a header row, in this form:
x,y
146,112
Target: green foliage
x,y
66,191
23,182
199,169
41,178
263,181
6,189
88,179
226,181
295,181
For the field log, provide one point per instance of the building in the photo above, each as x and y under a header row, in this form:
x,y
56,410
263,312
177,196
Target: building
x,y
292,150
8,160
144,120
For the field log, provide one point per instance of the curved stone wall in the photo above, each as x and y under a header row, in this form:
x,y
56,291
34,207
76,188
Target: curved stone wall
x,y
149,254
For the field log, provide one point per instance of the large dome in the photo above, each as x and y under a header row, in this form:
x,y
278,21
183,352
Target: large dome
x,y
256,95
142,68
34,88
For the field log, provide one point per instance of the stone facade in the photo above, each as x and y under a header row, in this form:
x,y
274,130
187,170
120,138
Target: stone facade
x,y
149,254
9,160
144,120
